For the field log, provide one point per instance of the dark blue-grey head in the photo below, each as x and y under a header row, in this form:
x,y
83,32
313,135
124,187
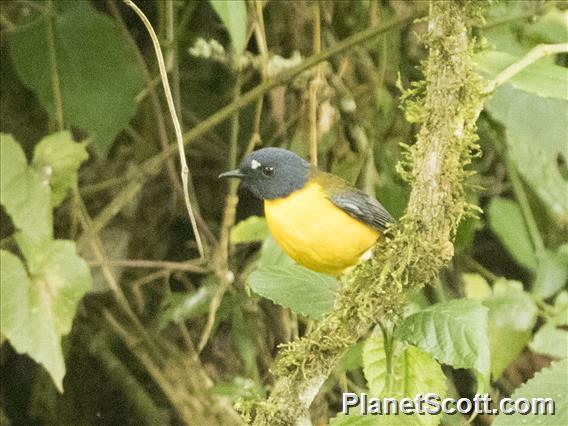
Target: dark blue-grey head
x,y
271,173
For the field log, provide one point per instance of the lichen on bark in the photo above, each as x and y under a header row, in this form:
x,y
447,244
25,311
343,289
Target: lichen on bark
x,y
447,104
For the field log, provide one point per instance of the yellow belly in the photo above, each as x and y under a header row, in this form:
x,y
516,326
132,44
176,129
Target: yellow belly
x,y
316,233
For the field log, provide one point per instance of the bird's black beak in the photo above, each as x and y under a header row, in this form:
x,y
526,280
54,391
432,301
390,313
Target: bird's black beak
x,y
237,173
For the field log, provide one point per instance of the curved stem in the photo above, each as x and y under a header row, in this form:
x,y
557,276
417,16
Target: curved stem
x,y
177,126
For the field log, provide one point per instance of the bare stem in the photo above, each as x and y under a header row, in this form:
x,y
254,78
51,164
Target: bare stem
x,y
177,126
221,259
150,264
314,86
531,57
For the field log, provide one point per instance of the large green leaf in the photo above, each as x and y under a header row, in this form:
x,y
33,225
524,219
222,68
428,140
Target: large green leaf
x,y
506,221
24,196
295,287
413,372
234,17
542,79
548,383
58,158
512,315
454,332
536,141
38,305
97,69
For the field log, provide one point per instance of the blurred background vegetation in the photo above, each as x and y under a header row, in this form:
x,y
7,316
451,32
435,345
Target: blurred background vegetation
x,y
159,337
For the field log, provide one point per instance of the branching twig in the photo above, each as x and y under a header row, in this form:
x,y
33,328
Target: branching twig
x,y
177,127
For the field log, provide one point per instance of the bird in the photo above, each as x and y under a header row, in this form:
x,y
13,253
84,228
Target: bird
x,y
318,219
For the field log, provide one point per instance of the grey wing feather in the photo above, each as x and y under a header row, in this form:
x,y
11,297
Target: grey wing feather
x,y
364,208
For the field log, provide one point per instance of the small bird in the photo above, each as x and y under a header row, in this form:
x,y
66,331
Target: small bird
x,y
320,220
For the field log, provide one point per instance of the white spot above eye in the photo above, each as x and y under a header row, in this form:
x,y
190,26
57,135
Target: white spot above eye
x,y
255,164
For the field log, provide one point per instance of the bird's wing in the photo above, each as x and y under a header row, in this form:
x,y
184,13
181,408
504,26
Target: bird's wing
x,y
354,202
364,208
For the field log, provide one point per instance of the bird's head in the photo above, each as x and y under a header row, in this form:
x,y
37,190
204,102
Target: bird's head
x,y
271,173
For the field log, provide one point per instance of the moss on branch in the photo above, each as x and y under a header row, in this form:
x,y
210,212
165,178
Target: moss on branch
x,y
447,104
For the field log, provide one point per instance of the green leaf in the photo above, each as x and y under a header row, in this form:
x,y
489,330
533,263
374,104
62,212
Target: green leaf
x,y
552,272
250,230
58,158
548,383
96,64
234,17
551,341
475,286
272,255
454,332
38,305
25,197
512,305
561,309
419,373
541,79
413,372
375,365
512,315
292,286
506,221
536,139
550,28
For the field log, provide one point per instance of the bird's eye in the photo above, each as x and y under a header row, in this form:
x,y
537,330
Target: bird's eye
x,y
268,171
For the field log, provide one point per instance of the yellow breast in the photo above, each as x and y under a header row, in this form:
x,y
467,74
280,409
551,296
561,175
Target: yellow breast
x,y
316,233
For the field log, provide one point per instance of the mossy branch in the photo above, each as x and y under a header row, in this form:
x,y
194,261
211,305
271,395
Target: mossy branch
x,y
447,104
